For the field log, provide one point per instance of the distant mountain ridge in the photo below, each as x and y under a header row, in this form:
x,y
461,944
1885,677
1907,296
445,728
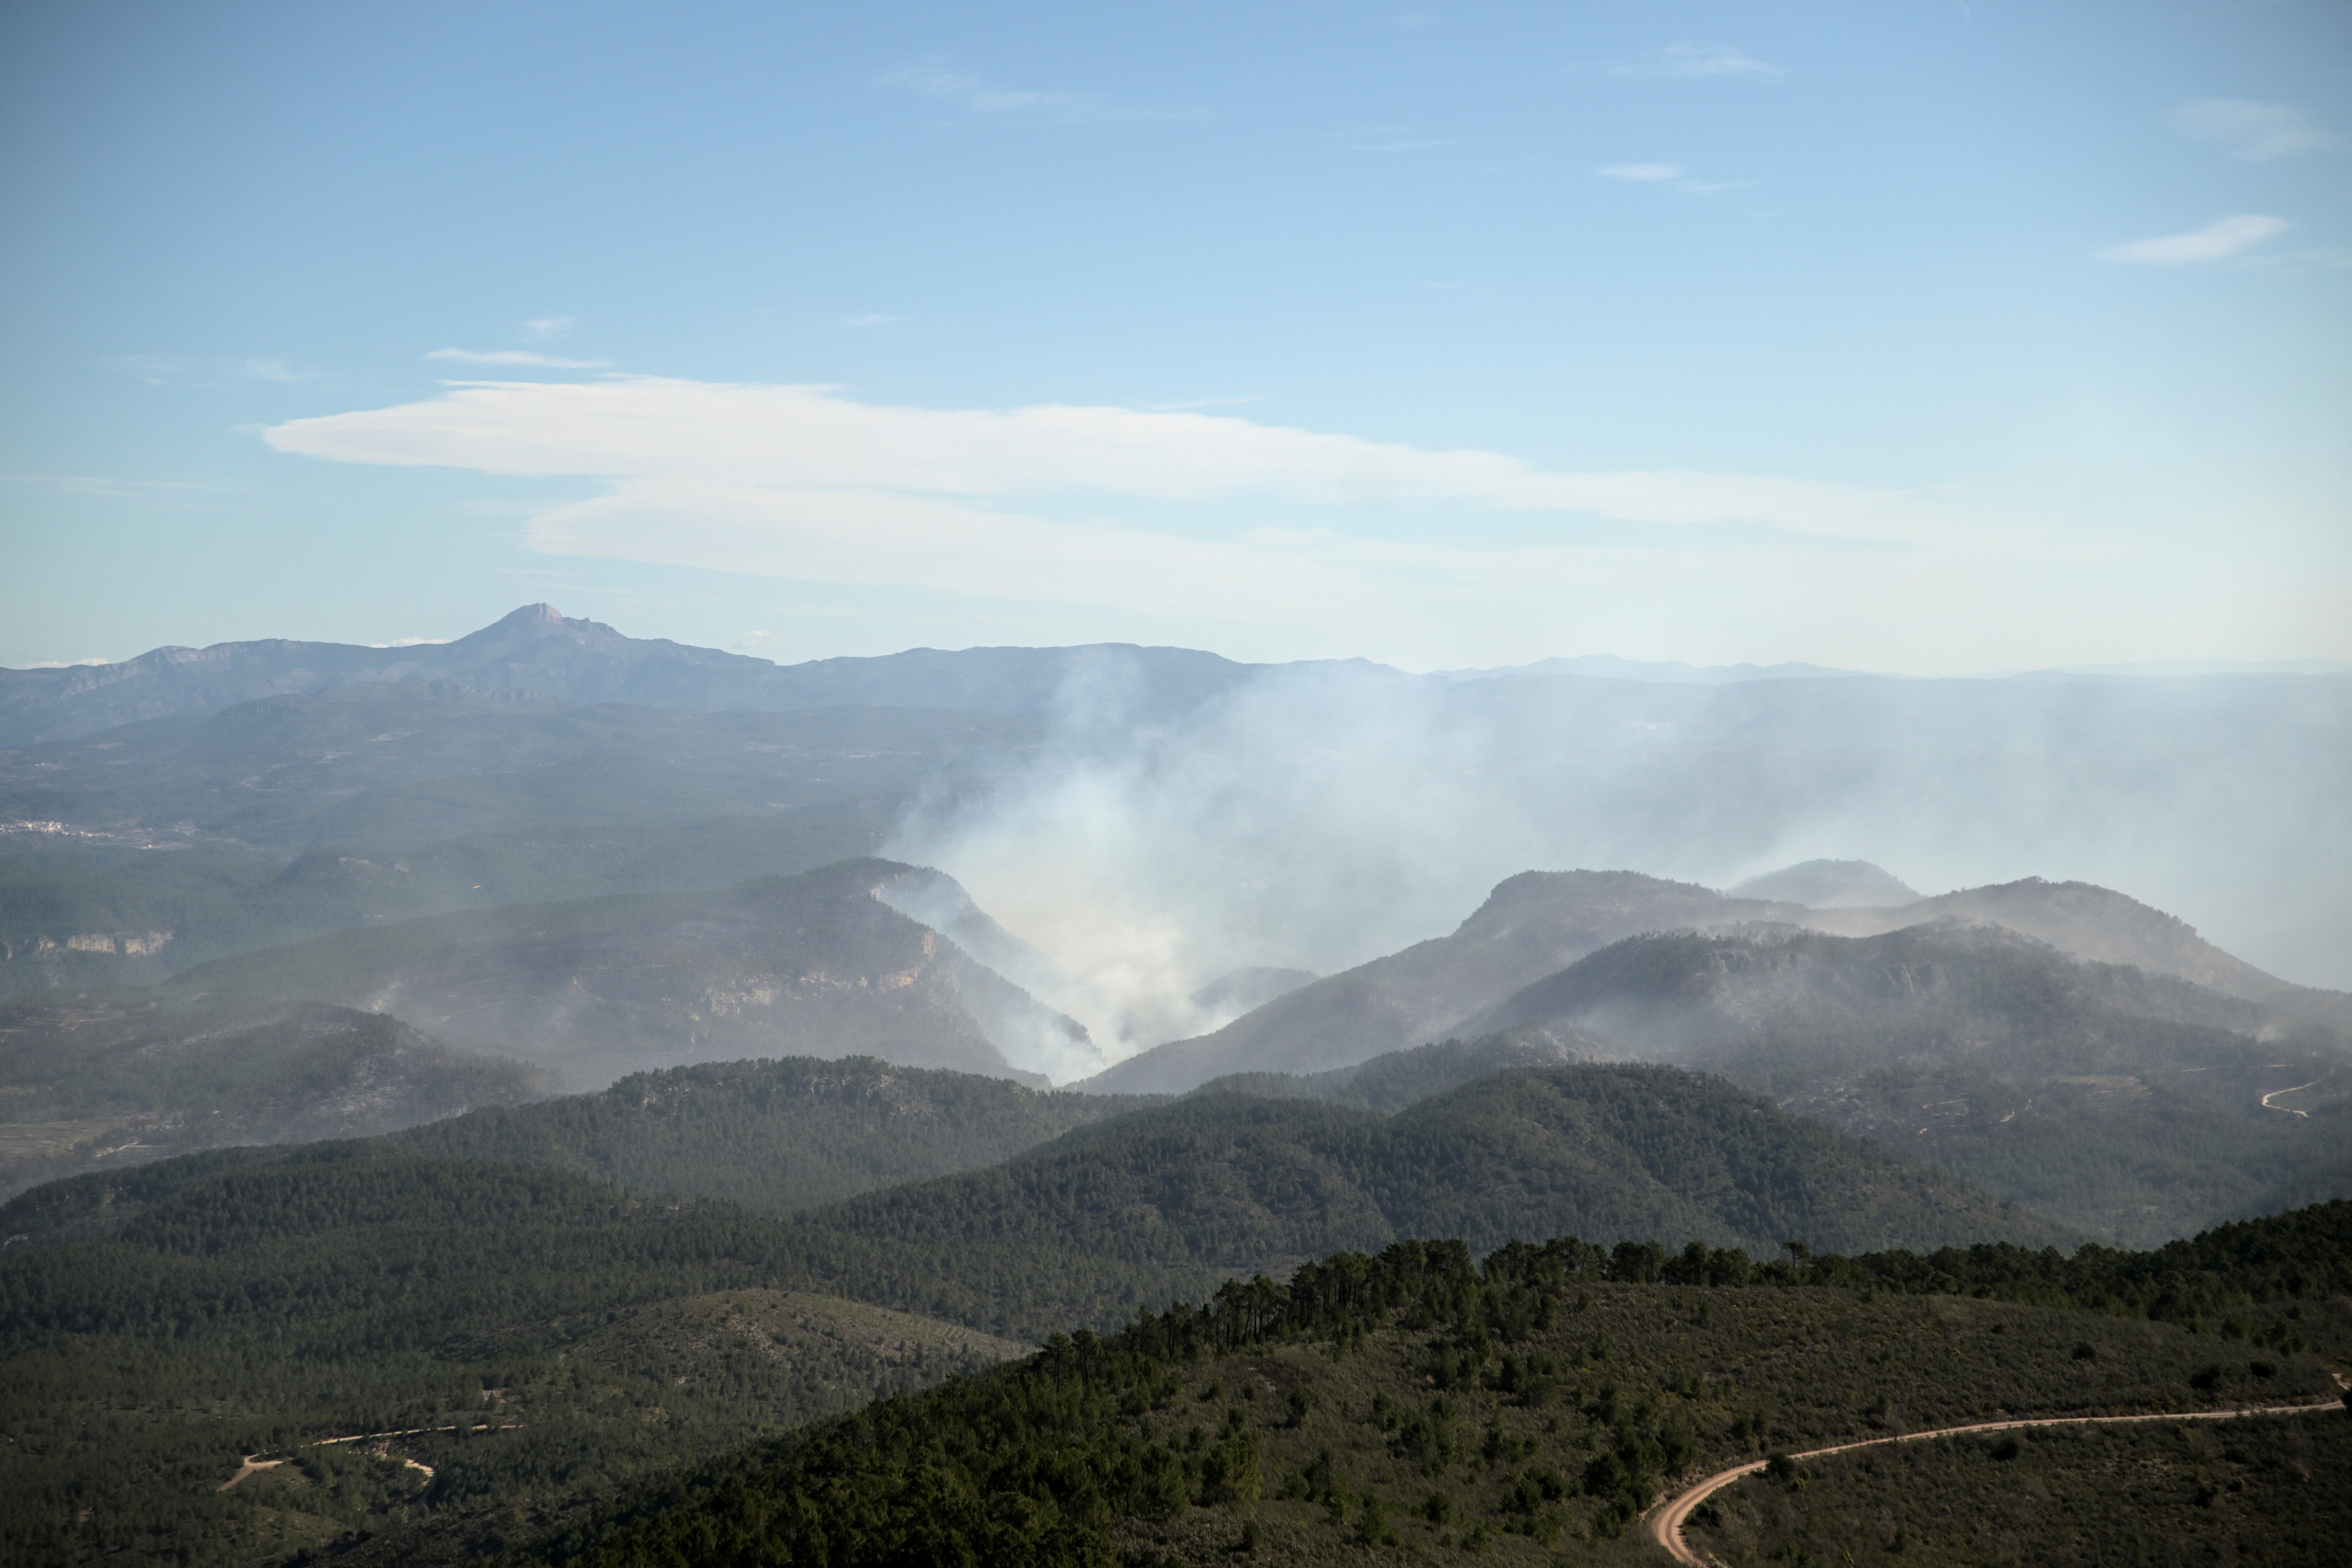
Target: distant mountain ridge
x,y
538,649
1537,924
2083,920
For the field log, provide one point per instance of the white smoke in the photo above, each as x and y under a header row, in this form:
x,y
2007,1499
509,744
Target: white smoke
x,y
1320,815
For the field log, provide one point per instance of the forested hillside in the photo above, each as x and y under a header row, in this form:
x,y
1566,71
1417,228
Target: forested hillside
x,y
532,1335
1233,1182
165,1320
2136,1106
773,1134
1378,1408
115,1078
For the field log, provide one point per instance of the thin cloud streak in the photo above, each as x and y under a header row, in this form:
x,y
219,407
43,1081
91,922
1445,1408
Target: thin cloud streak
x,y
518,357
2256,132
936,78
1691,60
2223,238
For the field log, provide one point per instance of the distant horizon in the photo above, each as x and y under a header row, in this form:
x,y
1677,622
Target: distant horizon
x,y
1936,339
1734,670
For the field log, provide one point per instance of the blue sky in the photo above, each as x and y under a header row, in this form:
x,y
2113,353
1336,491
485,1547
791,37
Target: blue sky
x,y
1914,335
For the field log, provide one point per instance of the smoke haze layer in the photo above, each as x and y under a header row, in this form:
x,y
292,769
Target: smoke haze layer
x,y
1317,816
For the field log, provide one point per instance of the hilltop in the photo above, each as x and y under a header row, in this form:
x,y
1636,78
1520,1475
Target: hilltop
x,y
1232,1183
1531,925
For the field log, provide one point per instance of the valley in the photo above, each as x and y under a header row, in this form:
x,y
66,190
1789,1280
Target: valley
x,y
527,1100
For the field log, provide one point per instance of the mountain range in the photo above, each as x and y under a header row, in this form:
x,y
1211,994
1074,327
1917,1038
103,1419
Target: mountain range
x,y
496,1100
538,650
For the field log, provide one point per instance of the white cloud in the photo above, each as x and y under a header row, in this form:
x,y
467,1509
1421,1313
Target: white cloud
x,y
858,461
411,642
2247,129
936,78
803,483
1699,60
2223,238
1641,171
1078,525
547,329
518,357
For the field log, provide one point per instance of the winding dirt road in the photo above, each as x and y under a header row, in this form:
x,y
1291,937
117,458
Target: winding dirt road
x,y
1666,1526
253,1462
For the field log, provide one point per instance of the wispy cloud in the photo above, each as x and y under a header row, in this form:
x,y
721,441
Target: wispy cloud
x,y
155,370
936,78
174,490
1230,400
2256,132
411,642
1690,59
1130,512
1399,144
518,357
2223,238
166,370
548,328
1667,177
277,369
871,320
808,482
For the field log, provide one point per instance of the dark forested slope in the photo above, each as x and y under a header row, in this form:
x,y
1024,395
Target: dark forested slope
x,y
1234,1182
1376,1409
772,1135
2135,1105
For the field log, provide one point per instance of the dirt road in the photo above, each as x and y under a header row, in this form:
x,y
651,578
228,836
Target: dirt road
x,y
1666,1525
